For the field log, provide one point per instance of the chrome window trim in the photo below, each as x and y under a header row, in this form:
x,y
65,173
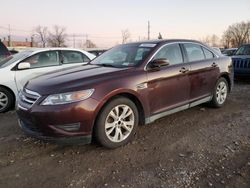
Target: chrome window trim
x,y
145,67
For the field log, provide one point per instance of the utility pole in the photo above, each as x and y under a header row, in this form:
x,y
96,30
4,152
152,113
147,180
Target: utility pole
x,y
148,30
9,38
87,44
74,41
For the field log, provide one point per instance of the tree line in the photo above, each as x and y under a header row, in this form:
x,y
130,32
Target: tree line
x,y
56,37
233,37
236,34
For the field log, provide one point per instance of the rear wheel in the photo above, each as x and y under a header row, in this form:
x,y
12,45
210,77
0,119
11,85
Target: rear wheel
x,y
116,123
220,93
6,100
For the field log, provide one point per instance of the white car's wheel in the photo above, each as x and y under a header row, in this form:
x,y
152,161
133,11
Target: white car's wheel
x,y
6,100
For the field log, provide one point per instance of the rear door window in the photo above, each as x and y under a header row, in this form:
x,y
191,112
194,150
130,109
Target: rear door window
x,y
194,52
208,54
74,57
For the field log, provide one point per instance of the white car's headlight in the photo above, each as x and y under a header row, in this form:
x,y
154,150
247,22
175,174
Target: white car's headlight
x,y
65,98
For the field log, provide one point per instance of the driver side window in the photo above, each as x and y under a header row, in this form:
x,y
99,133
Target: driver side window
x,y
171,52
43,59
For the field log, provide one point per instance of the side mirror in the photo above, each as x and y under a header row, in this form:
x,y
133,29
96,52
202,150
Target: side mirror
x,y
23,66
158,63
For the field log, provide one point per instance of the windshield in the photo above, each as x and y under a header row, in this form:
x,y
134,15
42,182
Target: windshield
x,y
11,59
243,50
124,55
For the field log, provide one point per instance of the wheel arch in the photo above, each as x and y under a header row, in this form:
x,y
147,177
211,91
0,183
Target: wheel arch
x,y
226,76
128,95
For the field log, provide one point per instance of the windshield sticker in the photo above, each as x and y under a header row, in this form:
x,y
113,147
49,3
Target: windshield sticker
x,y
148,45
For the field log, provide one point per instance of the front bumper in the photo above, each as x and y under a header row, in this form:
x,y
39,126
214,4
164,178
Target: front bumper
x,y
61,140
46,122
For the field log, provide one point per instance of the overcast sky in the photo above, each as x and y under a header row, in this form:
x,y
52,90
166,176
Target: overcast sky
x,y
103,20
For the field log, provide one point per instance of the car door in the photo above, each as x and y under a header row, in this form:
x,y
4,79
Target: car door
x,y
204,70
40,63
168,87
73,58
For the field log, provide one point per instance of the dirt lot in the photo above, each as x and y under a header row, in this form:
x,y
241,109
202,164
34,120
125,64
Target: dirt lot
x,y
200,147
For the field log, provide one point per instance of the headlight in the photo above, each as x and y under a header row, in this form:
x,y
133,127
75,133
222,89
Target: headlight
x,y
65,98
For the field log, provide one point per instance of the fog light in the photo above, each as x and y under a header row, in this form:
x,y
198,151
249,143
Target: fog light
x,y
69,127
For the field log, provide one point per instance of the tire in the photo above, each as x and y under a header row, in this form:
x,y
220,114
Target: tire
x,y
7,100
220,93
114,129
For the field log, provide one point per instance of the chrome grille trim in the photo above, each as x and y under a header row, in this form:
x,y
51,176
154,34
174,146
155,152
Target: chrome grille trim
x,y
19,106
27,99
32,92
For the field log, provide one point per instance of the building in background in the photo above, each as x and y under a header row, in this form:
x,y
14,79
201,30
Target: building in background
x,y
17,44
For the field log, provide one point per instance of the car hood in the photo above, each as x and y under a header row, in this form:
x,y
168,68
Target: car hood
x,y
241,57
73,79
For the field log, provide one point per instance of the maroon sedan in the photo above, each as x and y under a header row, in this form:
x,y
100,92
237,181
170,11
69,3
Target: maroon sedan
x,y
128,85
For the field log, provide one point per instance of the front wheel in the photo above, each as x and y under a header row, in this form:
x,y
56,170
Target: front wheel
x,y
220,93
116,123
6,100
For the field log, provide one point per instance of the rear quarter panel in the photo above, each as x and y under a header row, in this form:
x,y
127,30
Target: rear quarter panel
x,y
226,68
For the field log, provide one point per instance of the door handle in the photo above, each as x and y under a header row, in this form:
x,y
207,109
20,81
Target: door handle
x,y
183,70
214,64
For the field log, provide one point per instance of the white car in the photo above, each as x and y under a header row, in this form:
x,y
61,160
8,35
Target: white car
x,y
16,70
217,49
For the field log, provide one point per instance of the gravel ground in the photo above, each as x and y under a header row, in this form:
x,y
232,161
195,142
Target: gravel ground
x,y
199,147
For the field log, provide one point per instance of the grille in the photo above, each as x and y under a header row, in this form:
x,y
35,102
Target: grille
x,y
27,98
241,63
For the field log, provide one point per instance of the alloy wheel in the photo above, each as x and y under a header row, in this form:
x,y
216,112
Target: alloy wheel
x,y
119,123
221,92
3,100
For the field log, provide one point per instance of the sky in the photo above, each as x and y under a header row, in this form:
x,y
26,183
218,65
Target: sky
x,y
103,20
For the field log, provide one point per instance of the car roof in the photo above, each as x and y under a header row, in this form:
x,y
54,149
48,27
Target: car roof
x,y
49,49
166,41
160,41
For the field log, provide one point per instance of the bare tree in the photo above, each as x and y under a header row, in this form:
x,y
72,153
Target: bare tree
x,y
57,38
212,40
237,34
41,32
206,40
226,39
125,36
90,44
215,41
